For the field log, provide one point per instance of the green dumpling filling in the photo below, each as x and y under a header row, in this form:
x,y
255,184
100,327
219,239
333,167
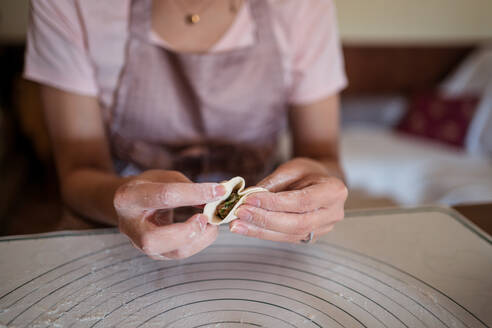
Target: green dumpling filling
x,y
227,205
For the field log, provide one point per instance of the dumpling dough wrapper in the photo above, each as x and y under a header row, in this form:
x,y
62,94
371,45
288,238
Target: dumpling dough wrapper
x,y
236,184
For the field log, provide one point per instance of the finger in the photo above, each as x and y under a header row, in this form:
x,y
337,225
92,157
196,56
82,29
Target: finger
x,y
159,240
313,237
323,230
250,230
290,223
309,180
318,233
199,243
290,172
163,176
299,201
159,257
154,195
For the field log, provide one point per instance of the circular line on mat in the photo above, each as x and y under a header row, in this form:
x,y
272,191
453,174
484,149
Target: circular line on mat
x,y
230,310
58,277
289,268
389,275
363,273
412,276
310,273
258,263
230,299
63,286
273,274
264,272
304,254
219,322
61,301
58,267
217,289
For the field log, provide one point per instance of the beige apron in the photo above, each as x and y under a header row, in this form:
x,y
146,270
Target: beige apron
x,y
209,115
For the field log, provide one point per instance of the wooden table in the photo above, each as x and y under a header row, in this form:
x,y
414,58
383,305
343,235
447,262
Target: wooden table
x,y
479,214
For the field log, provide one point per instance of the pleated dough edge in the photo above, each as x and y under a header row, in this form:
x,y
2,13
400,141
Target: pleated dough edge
x,y
229,185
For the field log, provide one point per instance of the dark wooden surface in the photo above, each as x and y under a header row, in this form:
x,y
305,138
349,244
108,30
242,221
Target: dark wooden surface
x,y
480,214
400,69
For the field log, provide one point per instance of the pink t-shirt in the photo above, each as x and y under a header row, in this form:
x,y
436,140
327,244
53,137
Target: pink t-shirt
x,y
79,45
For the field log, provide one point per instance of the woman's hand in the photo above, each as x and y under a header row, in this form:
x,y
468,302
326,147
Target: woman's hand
x,y
144,206
303,198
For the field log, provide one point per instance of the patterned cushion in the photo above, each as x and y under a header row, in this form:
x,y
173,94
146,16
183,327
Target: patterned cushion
x,y
438,117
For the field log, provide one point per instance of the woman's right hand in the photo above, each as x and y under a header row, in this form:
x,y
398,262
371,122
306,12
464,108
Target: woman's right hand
x,y
144,206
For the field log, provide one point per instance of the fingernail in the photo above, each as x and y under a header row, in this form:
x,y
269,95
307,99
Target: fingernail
x,y
244,214
202,221
159,257
219,190
252,201
240,229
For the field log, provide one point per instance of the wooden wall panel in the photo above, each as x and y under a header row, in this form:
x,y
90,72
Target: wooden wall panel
x,y
404,69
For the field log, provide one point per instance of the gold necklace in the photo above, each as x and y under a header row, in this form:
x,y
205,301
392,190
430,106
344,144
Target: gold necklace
x,y
193,17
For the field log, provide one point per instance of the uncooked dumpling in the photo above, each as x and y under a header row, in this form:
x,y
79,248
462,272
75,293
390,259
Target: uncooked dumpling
x,y
223,210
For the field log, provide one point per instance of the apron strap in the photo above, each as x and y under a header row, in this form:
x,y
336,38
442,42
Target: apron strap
x,y
140,18
261,14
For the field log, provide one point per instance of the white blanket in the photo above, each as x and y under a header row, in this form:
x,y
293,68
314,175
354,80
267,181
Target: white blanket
x,y
413,171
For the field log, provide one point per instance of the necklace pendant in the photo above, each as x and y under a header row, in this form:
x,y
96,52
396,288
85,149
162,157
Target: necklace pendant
x,y
192,19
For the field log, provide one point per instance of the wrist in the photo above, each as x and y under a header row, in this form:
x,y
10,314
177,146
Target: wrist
x,y
89,193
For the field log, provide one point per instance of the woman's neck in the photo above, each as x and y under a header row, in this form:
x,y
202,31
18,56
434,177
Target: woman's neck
x,y
171,21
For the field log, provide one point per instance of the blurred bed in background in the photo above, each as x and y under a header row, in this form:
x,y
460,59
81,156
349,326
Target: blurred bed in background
x,y
421,142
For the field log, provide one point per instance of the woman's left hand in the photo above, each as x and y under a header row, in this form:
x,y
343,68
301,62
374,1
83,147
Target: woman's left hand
x,y
303,198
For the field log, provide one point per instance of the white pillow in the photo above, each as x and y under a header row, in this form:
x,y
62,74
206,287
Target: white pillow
x,y
479,138
474,76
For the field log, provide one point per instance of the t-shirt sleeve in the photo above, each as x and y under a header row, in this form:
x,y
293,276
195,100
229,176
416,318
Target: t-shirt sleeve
x,y
56,54
317,60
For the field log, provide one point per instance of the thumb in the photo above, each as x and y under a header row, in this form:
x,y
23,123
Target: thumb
x,y
175,236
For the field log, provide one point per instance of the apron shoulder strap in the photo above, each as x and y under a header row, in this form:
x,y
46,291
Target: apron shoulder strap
x,y
261,13
140,18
